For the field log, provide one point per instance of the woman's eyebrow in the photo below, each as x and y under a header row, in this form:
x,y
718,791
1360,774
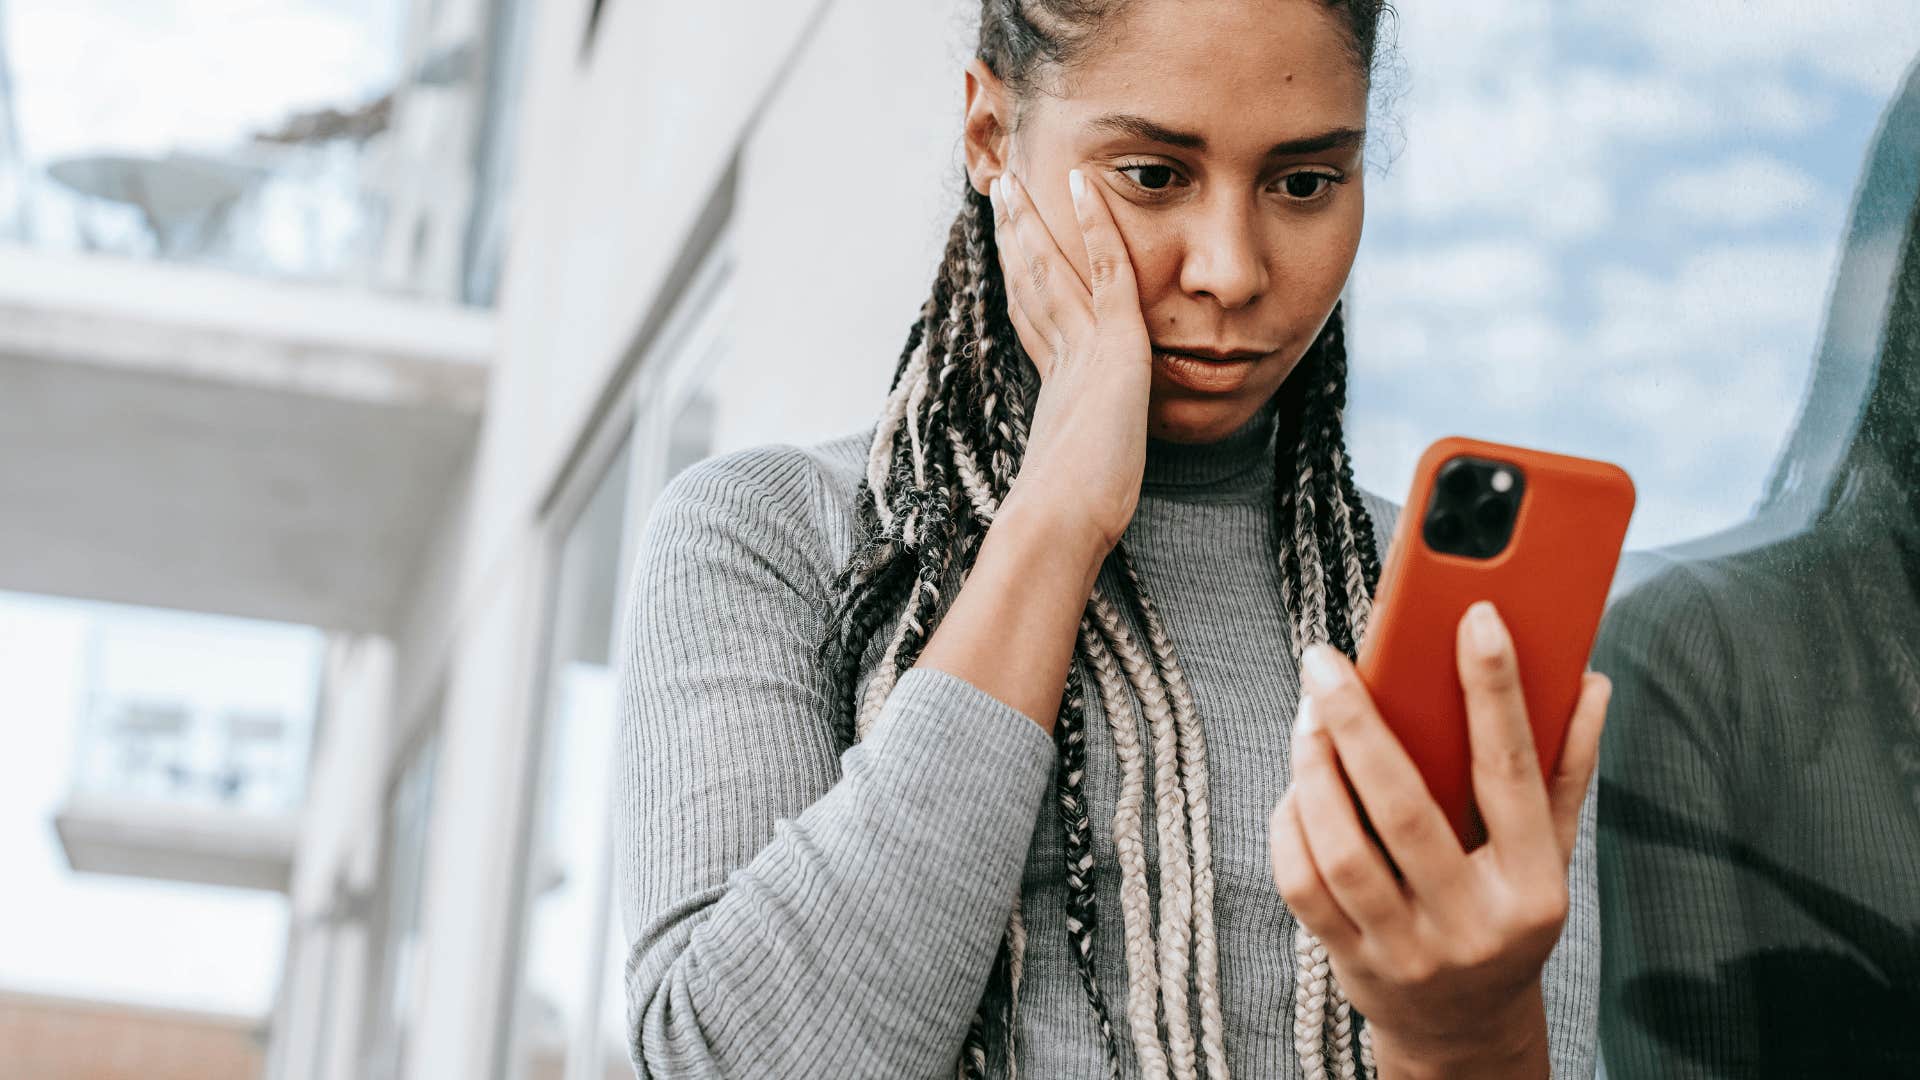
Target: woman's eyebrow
x,y
1139,127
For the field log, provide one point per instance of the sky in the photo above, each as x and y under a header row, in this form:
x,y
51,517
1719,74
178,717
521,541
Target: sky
x,y
1609,228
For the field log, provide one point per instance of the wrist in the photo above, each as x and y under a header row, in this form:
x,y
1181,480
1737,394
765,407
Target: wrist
x,y
1511,1042
1045,529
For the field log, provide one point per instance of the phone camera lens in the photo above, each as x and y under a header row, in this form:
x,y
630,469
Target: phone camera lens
x,y
1492,513
1445,529
1458,479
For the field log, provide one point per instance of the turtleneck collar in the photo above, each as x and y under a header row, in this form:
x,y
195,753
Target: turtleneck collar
x,y
1241,464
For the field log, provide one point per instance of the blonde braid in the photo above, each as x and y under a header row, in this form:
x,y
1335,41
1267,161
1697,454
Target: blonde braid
x,y
1129,848
1170,830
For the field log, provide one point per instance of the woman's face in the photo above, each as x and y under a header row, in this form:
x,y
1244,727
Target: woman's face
x,y
1227,137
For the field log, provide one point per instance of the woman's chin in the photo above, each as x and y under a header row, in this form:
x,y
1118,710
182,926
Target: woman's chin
x,y
1197,420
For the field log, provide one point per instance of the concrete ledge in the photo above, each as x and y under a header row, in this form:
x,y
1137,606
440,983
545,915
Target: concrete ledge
x,y
168,319
172,843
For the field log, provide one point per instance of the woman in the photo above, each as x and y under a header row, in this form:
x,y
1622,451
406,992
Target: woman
x,y
1760,790
1110,476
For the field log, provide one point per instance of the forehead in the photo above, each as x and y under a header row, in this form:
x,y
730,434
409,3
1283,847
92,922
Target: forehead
x,y
1239,72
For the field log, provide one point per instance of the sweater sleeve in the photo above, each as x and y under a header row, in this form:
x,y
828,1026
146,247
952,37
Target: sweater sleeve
x,y
792,912
1671,892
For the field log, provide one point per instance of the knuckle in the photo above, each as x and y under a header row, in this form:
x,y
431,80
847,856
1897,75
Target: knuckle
x,y
1294,883
1102,267
1341,707
1472,952
1346,870
1495,673
1509,763
1403,819
1414,968
1544,912
1038,273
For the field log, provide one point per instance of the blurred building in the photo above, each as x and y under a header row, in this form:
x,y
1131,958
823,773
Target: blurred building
x,y
429,425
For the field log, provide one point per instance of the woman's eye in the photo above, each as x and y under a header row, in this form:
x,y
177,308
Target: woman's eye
x,y
1306,186
1152,177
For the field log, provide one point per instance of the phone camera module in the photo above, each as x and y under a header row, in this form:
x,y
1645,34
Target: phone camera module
x,y
1473,507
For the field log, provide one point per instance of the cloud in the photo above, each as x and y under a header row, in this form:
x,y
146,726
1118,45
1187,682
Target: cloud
x,y
1863,44
1719,299
1743,191
1478,275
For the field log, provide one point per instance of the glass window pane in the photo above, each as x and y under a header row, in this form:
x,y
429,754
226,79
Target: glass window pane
x,y
564,875
1684,240
409,811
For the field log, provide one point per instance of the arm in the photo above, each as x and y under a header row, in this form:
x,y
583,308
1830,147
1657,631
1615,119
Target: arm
x,y
1670,896
1011,631
792,913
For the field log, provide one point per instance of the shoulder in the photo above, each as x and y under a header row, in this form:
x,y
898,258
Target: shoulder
x,y
788,508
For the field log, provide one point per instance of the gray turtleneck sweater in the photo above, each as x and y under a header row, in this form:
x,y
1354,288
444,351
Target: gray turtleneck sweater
x,y
797,912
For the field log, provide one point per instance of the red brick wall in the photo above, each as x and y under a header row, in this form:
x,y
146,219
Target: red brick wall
x,y
55,1039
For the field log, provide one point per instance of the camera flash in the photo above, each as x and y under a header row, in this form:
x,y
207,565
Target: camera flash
x,y
1503,481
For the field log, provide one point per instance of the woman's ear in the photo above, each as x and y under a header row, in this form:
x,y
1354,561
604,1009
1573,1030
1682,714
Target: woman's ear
x,y
987,125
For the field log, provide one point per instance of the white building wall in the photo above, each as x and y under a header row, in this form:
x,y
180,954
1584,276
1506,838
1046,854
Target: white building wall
x,y
849,184
848,180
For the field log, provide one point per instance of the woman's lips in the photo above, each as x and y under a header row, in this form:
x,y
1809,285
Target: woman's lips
x,y
1202,375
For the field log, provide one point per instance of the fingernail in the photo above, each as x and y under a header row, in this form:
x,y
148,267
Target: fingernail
x,y
1077,183
1323,668
1489,634
1303,722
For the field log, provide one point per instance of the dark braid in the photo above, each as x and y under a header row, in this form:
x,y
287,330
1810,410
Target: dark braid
x,y
945,452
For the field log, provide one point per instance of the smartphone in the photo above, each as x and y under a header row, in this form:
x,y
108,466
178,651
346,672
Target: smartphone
x,y
1539,535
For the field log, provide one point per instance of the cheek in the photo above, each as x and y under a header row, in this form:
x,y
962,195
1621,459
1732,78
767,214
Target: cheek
x,y
1316,258
1155,251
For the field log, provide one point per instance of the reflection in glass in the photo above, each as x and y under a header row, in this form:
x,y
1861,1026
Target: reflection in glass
x,y
557,976
1760,778
409,810
293,138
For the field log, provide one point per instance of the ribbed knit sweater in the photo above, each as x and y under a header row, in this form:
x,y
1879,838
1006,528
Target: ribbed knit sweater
x,y
1760,804
796,911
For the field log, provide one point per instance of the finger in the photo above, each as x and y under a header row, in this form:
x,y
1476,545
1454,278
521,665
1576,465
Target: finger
x,y
1355,871
1507,782
1568,787
1299,880
1041,354
1055,286
1109,266
1387,782
1039,327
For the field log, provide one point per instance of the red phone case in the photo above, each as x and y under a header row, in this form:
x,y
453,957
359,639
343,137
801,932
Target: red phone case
x,y
1549,583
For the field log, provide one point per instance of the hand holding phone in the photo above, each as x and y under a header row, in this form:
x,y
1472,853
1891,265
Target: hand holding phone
x,y
1538,535
1439,944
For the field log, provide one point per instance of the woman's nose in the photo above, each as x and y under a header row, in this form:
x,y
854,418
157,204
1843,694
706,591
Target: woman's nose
x,y
1223,257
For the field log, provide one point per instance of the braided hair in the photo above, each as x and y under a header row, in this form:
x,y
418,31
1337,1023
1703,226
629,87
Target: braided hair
x,y
946,448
